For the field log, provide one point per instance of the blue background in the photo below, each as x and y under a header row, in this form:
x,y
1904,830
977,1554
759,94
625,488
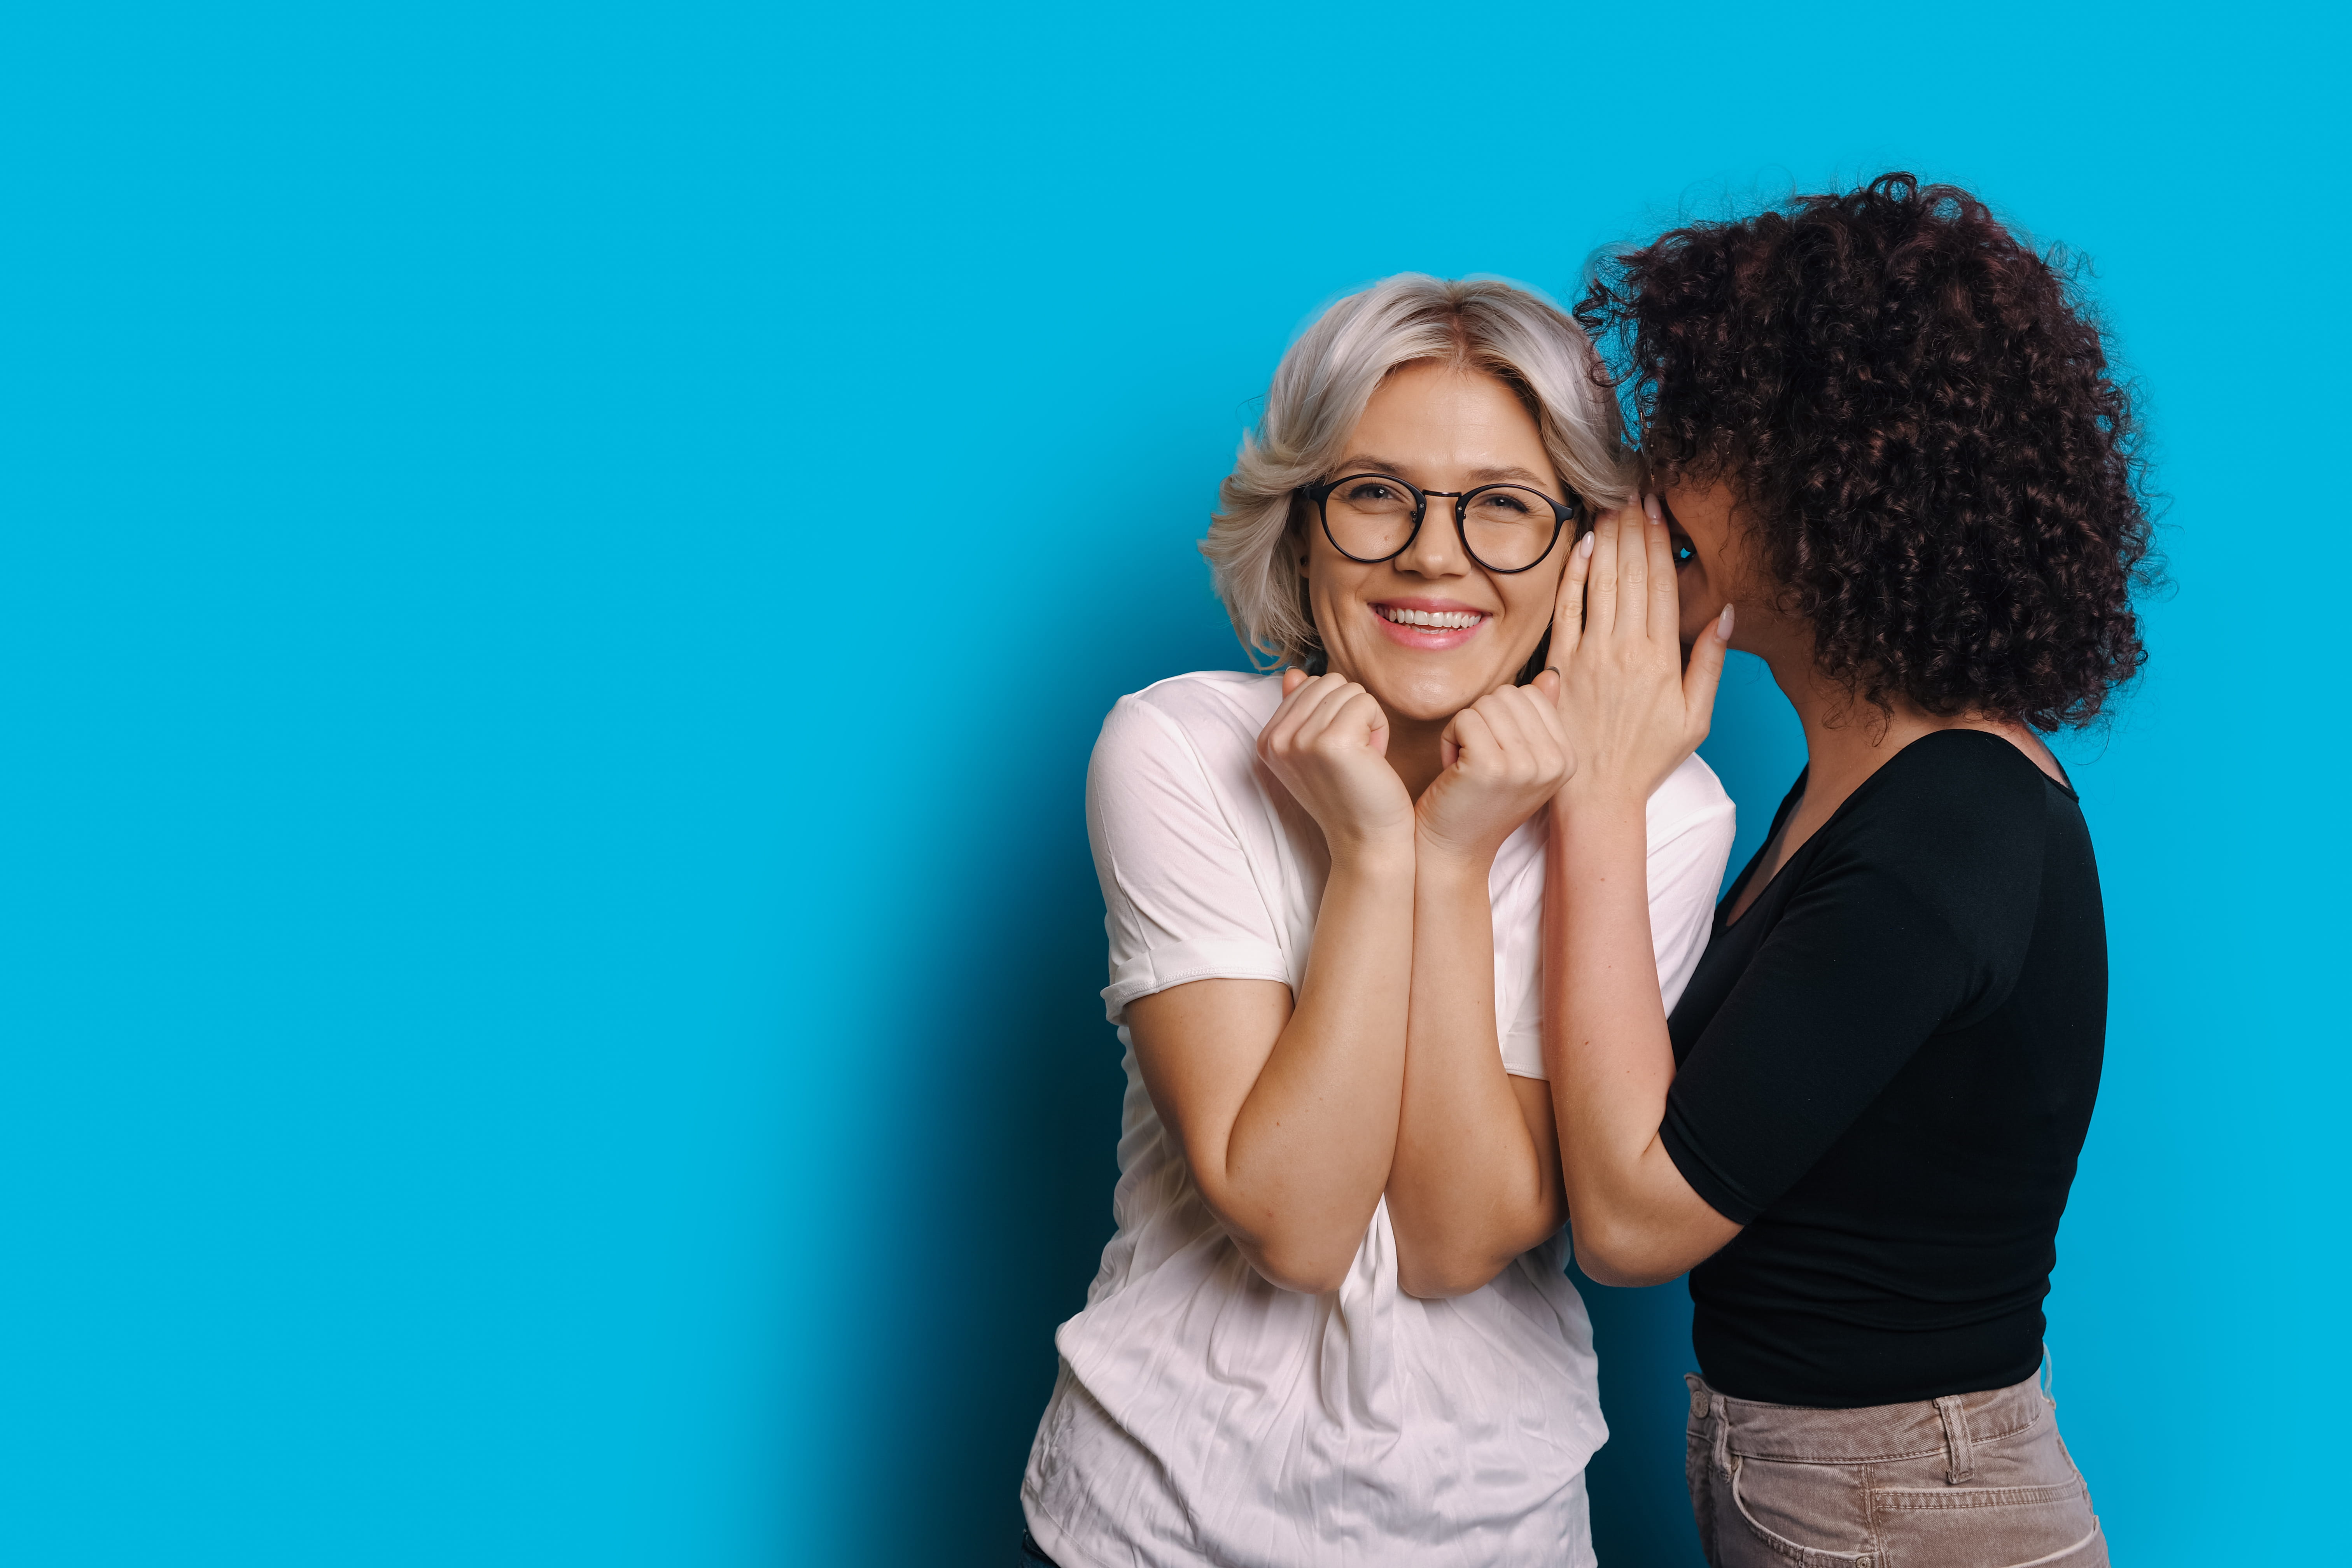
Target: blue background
x,y
559,567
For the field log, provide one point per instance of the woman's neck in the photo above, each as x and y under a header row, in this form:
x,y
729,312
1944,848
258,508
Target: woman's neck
x,y
1414,751
1849,737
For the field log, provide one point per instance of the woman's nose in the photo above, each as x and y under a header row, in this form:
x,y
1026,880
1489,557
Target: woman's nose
x,y
1437,550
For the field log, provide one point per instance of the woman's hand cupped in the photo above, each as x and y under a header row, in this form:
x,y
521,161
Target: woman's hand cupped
x,y
1627,703
1328,742
1505,757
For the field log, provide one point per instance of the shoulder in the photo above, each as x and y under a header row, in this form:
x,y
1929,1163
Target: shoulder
x,y
1959,817
1209,719
1691,799
1214,697
1968,780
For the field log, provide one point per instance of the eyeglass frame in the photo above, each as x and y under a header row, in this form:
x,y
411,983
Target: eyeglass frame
x,y
1562,514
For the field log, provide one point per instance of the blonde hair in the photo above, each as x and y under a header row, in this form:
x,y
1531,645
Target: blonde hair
x,y
1256,553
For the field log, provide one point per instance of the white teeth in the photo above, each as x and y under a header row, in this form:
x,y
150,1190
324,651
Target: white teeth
x,y
1434,620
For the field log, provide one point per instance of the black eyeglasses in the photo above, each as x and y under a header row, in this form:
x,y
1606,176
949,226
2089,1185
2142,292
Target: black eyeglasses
x,y
1372,518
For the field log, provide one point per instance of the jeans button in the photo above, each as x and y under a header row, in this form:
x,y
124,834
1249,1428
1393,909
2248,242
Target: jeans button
x,y
1862,1563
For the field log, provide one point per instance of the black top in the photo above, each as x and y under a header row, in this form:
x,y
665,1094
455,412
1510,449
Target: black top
x,y
1884,1072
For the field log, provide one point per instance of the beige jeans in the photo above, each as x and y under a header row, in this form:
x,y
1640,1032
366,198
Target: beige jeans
x,y
1971,1480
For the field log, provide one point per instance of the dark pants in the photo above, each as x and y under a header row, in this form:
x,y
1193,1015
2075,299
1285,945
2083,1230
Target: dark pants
x,y
1031,1551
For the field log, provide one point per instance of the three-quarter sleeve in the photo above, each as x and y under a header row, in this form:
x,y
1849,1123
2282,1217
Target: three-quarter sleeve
x,y
1893,933
1182,898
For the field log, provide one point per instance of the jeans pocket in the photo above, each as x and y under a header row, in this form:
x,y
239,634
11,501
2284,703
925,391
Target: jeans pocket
x,y
1989,1527
1772,1499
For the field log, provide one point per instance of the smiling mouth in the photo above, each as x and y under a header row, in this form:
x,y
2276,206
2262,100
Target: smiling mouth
x,y
1429,620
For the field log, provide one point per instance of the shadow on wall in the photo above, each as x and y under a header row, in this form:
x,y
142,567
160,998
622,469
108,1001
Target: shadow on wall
x,y
1020,1222
1010,1161
1010,1141
1640,1511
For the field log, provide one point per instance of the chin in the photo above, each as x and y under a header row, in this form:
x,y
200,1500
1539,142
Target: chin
x,y
1426,697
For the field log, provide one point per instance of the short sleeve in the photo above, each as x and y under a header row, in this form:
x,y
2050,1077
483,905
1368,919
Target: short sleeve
x,y
1910,920
1181,900
1691,823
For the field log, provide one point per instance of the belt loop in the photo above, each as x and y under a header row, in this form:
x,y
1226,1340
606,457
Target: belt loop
x,y
1722,1433
2047,1375
1959,1463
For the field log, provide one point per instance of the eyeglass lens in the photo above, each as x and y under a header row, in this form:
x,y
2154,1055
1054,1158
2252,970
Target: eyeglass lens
x,y
1507,528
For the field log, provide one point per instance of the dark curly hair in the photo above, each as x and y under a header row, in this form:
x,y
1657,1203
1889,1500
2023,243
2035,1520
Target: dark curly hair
x,y
1918,412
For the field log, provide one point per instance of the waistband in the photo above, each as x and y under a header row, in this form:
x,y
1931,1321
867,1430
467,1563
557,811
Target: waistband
x,y
1948,1425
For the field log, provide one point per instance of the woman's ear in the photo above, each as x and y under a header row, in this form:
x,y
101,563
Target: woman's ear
x,y
1301,515
1315,660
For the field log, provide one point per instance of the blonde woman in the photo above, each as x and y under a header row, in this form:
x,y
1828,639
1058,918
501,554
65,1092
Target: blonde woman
x,y
1333,1326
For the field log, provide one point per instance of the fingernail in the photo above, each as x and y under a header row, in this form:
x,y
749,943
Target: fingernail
x,y
1584,547
1723,624
1649,505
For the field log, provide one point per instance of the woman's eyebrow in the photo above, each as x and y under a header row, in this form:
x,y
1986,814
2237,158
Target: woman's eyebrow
x,y
1365,462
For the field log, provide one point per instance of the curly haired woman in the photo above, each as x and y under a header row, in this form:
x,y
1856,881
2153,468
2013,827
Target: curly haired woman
x,y
1892,462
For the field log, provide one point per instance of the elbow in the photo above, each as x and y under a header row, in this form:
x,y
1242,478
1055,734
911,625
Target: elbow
x,y
1438,1271
1289,1251
1465,1256
1442,1279
1307,1269
1621,1254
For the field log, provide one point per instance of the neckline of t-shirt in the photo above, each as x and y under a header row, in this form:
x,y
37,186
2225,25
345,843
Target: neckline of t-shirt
x,y
1796,796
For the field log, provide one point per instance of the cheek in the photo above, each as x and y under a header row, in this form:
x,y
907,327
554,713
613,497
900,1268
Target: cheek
x,y
1333,584
1730,569
1707,571
1692,582
1526,611
1697,601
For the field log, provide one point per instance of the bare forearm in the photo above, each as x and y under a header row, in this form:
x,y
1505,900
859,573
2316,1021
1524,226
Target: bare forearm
x,y
1605,1043
1469,1190
1311,1146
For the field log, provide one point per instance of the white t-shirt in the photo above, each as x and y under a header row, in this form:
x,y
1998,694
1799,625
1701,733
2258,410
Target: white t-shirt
x,y
1203,1416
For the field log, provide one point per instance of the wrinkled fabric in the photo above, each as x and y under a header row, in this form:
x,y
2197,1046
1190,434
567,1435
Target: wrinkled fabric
x,y
1203,1416
1888,1067
1968,1480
